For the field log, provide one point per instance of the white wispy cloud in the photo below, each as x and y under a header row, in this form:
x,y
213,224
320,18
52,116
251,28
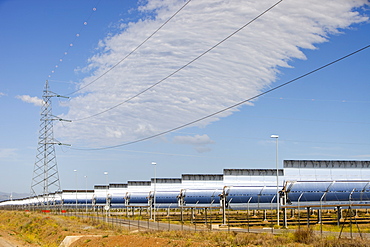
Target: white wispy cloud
x,y
239,68
2,94
199,142
362,156
7,152
29,99
193,140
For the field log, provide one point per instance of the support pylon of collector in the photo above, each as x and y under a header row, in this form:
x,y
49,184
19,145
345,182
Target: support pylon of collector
x,y
45,179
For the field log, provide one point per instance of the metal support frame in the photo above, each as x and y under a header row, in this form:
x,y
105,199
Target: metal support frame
x,y
45,173
224,203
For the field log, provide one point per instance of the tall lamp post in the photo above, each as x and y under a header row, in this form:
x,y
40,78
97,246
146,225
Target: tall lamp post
x,y
106,197
85,193
155,182
75,171
106,188
277,181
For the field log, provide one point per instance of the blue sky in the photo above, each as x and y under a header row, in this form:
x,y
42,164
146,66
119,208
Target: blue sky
x,y
322,116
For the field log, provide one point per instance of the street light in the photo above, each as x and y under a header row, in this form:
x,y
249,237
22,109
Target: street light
x,y
106,188
155,181
106,196
86,192
75,171
277,180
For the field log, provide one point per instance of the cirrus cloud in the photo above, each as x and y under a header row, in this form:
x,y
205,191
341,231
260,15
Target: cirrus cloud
x,y
239,68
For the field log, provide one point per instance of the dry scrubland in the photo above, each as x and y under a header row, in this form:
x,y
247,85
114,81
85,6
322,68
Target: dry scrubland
x,y
34,229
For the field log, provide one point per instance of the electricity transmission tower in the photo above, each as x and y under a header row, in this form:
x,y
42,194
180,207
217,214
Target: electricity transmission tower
x,y
45,178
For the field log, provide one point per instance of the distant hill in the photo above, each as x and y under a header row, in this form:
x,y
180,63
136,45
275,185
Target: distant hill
x,y
6,196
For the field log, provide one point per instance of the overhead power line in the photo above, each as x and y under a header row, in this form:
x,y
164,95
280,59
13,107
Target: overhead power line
x,y
129,54
184,66
230,107
323,100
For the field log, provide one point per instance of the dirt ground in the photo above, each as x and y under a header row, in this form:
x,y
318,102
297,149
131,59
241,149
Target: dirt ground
x,y
8,239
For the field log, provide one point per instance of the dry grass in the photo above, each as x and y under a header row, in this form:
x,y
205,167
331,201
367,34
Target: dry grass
x,y
36,229
46,230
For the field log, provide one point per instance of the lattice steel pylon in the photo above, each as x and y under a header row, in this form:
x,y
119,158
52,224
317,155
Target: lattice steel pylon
x,y
45,178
